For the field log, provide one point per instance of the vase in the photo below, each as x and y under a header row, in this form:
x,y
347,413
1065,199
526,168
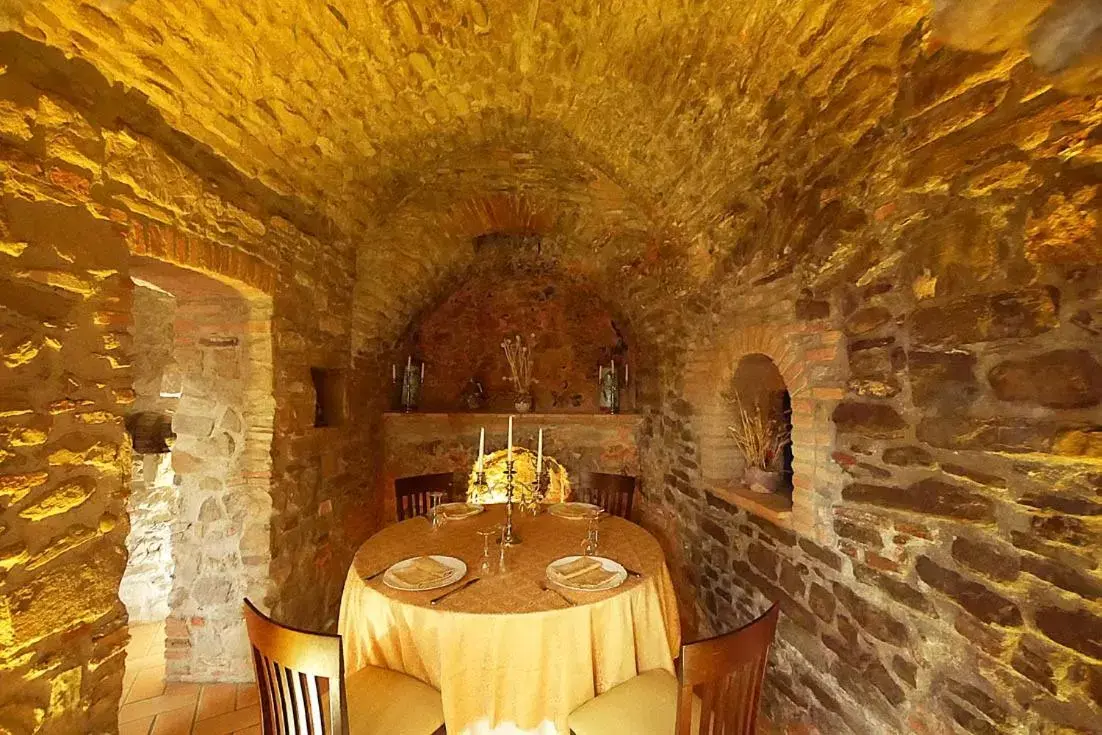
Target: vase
x,y
523,402
762,481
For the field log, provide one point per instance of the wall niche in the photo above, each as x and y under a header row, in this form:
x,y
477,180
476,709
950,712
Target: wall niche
x,y
575,333
758,388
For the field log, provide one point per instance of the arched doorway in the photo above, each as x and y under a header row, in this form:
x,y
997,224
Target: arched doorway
x,y
200,511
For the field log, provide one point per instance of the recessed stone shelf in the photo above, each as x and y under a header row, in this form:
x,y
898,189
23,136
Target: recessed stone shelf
x,y
774,507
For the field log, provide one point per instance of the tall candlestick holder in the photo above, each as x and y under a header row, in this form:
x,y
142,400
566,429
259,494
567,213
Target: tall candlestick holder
x,y
509,536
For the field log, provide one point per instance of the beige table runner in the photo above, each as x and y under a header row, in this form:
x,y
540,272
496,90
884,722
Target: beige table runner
x,y
507,656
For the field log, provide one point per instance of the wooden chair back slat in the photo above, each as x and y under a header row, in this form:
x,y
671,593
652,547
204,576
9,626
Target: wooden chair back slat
x,y
614,493
289,664
411,494
726,672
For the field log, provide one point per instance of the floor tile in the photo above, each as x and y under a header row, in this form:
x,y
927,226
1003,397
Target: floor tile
x,y
148,683
228,723
247,695
254,730
136,727
176,722
216,699
154,706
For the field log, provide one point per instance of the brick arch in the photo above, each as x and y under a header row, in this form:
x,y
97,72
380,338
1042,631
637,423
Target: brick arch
x,y
191,251
809,363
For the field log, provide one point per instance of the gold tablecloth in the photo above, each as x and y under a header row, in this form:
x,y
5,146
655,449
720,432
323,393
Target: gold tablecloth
x,y
507,656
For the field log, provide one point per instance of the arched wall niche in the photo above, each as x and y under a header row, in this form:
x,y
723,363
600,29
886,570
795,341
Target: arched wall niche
x,y
510,290
809,363
758,389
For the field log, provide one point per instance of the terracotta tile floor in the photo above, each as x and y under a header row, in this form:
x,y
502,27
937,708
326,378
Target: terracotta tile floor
x,y
152,707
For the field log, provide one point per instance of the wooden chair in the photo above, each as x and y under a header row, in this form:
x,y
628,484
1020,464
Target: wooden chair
x,y
412,493
614,493
716,691
304,691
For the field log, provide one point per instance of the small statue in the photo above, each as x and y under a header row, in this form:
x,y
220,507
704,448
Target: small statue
x,y
473,397
610,390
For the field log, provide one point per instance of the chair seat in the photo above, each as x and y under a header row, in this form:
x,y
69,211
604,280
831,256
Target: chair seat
x,y
385,702
643,705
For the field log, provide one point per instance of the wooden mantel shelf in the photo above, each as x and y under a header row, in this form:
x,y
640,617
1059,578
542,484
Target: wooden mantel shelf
x,y
776,508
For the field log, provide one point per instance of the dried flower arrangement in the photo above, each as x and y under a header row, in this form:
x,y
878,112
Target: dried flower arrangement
x,y
519,356
760,440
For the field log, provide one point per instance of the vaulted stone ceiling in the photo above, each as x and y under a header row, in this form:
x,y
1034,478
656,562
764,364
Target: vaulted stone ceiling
x,y
355,104
670,141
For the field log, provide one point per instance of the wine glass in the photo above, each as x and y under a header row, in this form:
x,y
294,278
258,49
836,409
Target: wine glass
x,y
435,498
487,567
592,531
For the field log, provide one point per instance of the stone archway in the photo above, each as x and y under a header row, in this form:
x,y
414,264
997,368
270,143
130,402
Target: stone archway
x,y
216,384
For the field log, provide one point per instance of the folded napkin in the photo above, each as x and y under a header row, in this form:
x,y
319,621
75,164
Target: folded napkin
x,y
592,579
423,571
576,568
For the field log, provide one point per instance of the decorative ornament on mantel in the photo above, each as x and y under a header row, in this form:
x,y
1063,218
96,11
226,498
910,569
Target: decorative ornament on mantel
x,y
412,379
608,381
519,355
761,441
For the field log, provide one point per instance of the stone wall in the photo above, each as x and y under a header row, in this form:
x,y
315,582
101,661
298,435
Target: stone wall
x,y
948,580
147,582
90,177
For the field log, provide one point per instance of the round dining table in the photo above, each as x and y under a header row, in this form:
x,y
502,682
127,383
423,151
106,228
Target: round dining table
x,y
509,653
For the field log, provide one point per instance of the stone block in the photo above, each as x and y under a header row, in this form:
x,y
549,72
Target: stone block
x,y
1073,580
985,317
857,532
822,555
1031,661
1056,379
897,589
984,603
877,622
908,456
1011,435
943,380
999,564
821,601
929,496
876,420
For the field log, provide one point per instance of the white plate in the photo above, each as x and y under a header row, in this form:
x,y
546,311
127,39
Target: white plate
x,y
459,569
609,565
560,510
459,511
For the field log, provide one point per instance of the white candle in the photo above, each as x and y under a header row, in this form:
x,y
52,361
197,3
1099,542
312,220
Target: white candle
x,y
625,373
539,456
409,361
481,447
393,372
509,450
422,371
613,368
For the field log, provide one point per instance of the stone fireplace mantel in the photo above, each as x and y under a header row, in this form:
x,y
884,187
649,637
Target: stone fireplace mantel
x,y
418,443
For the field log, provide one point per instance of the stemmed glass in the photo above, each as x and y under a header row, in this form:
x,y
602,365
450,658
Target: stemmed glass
x,y
487,567
435,498
592,531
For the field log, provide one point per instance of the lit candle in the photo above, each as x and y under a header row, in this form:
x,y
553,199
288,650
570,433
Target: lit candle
x,y
539,456
509,450
481,448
